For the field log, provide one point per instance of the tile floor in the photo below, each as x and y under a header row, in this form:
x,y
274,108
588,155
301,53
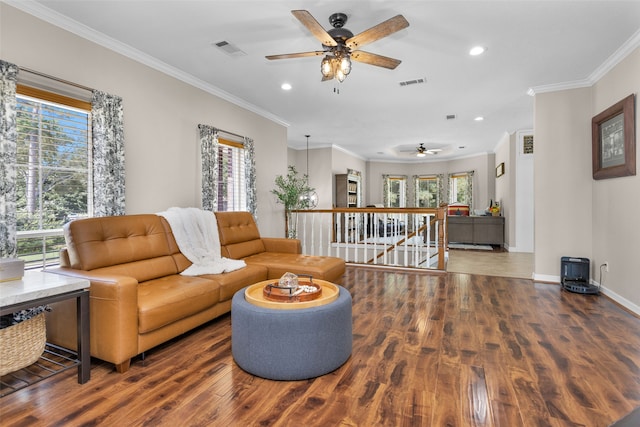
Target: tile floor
x,y
504,264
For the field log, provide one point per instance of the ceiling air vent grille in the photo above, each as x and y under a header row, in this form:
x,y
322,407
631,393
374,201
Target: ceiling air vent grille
x,y
413,82
229,48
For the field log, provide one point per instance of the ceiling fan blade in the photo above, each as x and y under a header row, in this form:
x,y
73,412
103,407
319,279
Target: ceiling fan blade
x,y
314,27
375,59
377,32
296,55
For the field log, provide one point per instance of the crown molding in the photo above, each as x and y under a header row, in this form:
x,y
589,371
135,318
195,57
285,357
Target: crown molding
x,y
351,153
621,53
48,15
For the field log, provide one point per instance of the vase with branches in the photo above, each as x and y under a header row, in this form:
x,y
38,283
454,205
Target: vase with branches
x,y
293,192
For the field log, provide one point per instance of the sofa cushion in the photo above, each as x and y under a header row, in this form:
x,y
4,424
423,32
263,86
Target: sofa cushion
x,y
143,270
239,235
232,282
330,269
99,242
167,299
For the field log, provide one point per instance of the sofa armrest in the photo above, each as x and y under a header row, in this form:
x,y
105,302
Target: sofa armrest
x,y
282,245
113,308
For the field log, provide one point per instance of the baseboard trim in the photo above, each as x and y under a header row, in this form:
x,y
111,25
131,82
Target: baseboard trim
x,y
622,301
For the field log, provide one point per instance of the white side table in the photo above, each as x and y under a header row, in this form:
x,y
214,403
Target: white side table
x,y
41,288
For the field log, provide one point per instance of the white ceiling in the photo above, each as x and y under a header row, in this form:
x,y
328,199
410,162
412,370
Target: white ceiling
x,y
531,44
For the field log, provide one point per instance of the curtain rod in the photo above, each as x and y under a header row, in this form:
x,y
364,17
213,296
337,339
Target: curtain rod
x,y
229,133
38,73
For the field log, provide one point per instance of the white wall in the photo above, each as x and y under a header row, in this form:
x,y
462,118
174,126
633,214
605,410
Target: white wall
x,y
161,115
504,186
523,194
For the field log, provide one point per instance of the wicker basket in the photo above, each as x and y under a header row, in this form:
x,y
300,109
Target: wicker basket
x,y
22,344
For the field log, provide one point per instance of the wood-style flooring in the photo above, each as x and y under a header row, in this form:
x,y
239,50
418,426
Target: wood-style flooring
x,y
429,350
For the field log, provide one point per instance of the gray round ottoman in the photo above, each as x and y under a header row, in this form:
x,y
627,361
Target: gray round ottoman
x,y
291,344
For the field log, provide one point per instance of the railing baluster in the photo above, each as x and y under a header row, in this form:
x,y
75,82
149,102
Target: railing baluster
x,y
377,236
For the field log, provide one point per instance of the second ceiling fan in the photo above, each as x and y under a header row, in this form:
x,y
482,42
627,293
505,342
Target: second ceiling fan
x,y
340,46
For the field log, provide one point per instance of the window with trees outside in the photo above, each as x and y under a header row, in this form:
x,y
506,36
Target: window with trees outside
x,y
232,189
461,188
427,194
396,192
53,173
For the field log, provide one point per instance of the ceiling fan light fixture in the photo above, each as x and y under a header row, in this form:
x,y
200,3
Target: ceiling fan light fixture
x,y
326,66
345,64
421,154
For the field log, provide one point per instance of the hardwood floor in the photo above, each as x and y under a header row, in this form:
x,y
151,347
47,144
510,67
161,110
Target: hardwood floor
x,y
428,350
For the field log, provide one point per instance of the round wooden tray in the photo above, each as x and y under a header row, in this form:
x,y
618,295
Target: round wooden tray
x,y
273,292
254,295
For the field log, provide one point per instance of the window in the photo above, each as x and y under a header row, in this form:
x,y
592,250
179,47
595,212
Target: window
x,y
52,171
232,189
461,188
427,195
396,191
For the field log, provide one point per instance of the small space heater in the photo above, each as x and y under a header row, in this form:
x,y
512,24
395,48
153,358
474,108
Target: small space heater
x,y
574,275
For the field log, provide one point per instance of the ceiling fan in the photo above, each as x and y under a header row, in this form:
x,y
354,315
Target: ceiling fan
x,y
422,151
340,46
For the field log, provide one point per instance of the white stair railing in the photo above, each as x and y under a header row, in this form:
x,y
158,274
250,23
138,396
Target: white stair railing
x,y
409,237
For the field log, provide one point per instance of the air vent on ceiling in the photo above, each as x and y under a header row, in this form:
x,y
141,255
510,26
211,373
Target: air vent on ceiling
x,y
413,82
229,48
451,116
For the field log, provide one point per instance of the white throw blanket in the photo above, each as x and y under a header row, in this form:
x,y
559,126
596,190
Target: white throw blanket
x,y
196,233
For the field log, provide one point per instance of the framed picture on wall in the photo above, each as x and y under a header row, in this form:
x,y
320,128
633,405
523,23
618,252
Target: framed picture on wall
x,y
614,141
500,170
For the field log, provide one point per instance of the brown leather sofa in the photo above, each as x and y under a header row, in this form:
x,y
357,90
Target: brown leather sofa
x,y
139,299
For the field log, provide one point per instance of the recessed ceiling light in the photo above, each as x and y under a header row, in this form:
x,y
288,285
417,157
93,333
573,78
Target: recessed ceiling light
x,y
479,119
477,50
285,86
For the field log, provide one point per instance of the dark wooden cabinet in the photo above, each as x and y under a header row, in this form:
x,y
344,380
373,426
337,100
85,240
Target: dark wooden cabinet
x,y
477,230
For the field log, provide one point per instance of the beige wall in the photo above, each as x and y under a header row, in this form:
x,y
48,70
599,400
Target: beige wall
x,y
616,202
574,214
562,179
343,161
322,176
483,181
161,115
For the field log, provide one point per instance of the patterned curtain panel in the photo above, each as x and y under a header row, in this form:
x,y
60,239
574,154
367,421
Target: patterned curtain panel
x,y
108,154
385,190
470,184
250,176
209,165
8,140
442,189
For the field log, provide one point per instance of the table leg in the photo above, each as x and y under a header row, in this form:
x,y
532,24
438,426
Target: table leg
x,y
84,350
